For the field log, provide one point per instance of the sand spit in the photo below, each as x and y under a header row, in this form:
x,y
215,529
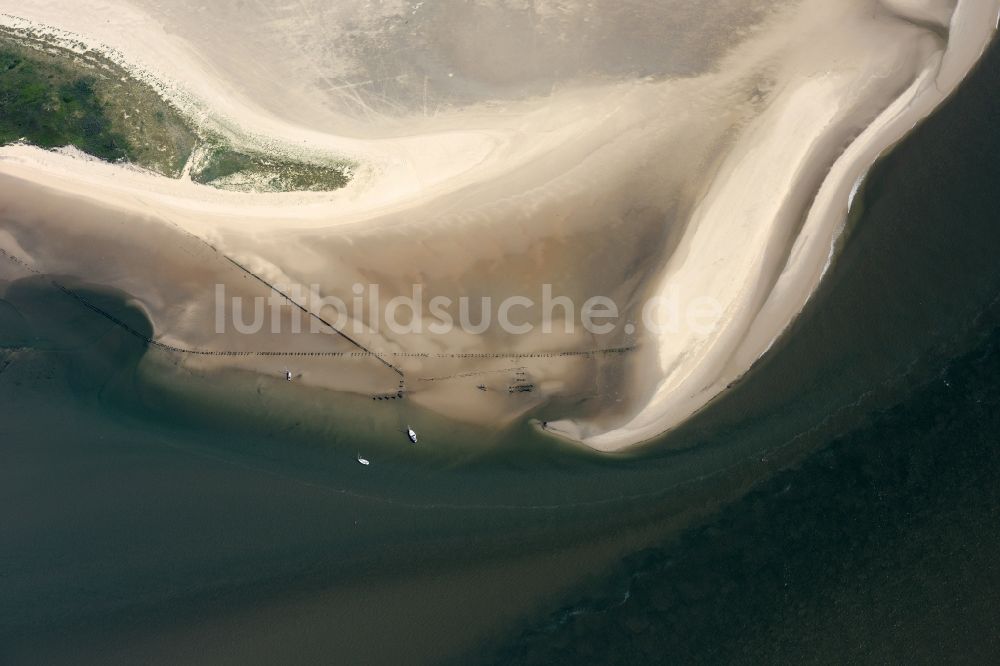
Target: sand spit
x,y
777,280
730,184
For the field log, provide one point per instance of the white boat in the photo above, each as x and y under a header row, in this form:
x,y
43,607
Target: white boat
x,y
363,461
288,375
411,434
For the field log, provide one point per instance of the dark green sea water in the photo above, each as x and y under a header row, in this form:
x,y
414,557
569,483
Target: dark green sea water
x,y
880,545
838,503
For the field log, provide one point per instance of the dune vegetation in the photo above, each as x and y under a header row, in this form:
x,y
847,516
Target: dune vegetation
x,y
53,97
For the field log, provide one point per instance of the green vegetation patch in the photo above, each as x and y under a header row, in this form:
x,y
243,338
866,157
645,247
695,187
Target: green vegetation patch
x,y
50,108
160,138
52,97
230,169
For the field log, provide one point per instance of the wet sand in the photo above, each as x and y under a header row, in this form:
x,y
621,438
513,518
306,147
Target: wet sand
x,y
877,544
163,508
731,184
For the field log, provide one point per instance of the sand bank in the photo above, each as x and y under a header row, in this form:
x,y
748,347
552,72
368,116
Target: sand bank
x,y
730,184
777,280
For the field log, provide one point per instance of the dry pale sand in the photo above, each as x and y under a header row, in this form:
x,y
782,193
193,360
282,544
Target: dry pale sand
x,y
720,167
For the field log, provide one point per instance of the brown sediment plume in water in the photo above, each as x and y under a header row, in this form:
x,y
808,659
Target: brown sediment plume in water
x,y
726,181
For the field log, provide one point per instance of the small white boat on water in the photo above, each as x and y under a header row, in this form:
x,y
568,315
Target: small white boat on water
x,y
411,433
288,375
363,461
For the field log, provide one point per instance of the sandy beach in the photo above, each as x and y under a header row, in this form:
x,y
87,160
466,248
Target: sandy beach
x,y
727,183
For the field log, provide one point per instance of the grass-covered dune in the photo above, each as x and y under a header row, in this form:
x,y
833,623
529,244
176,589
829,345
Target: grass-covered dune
x,y
53,97
230,169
